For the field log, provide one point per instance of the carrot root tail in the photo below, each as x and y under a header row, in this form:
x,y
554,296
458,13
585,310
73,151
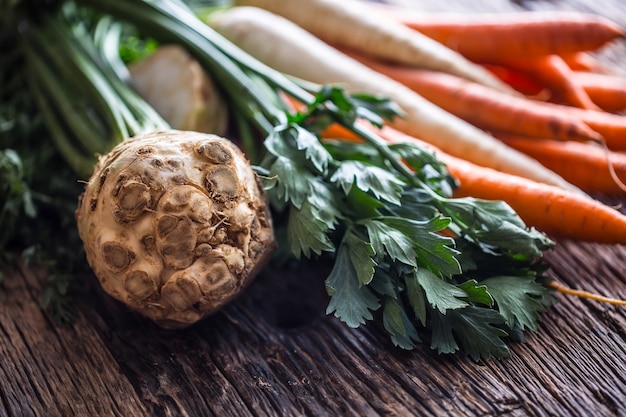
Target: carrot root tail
x,y
586,295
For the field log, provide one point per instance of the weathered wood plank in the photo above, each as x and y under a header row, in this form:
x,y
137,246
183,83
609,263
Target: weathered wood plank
x,y
46,365
274,352
243,362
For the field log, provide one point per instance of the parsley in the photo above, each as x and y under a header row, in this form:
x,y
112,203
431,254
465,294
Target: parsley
x,y
384,226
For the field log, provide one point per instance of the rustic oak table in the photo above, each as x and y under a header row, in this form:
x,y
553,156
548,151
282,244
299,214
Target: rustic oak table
x,y
275,352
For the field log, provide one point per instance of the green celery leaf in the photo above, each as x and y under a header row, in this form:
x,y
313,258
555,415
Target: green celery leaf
x,y
293,180
473,328
385,280
397,323
398,245
441,295
496,226
360,205
361,255
519,299
375,109
383,184
343,150
477,293
416,297
442,337
350,302
426,166
432,249
416,204
417,156
314,150
299,144
324,204
307,230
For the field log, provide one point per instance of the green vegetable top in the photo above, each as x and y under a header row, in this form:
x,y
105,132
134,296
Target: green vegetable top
x,y
385,227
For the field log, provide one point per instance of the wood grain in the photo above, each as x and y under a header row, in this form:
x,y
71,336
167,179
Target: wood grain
x,y
274,352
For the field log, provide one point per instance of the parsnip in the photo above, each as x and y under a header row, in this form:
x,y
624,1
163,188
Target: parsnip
x,y
352,24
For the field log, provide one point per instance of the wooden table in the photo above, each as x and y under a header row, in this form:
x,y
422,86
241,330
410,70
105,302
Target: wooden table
x,y
275,352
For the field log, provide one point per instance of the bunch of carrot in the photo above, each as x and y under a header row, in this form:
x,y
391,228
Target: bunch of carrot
x,y
551,102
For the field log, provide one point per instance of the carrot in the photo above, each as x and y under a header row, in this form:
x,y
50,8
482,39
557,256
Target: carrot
x,y
607,91
583,61
611,126
552,72
519,81
290,49
586,165
350,23
557,212
484,107
485,36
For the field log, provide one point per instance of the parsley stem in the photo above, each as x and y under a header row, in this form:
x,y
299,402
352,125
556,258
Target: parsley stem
x,y
383,149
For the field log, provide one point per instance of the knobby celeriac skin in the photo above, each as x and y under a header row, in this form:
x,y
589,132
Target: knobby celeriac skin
x,y
175,224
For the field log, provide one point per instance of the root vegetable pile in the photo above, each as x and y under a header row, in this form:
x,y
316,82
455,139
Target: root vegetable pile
x,y
175,224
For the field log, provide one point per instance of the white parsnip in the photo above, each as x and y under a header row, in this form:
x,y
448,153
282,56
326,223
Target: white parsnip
x,y
351,24
289,48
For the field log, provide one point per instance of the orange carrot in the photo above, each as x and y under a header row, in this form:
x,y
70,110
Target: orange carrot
x,y
552,72
586,165
519,81
484,107
555,211
583,61
607,91
336,131
484,36
611,126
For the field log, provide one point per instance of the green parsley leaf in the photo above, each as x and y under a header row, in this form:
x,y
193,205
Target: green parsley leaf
x,y
380,182
426,166
387,206
313,149
375,109
292,180
433,250
473,328
477,293
325,203
362,256
402,332
350,302
361,205
441,295
416,297
497,227
297,143
519,299
385,237
307,229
